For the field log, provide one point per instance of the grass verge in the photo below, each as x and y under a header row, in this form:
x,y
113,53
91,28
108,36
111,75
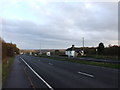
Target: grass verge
x,y
102,64
101,57
5,67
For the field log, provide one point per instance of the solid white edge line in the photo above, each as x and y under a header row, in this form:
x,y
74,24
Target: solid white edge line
x,y
37,75
86,74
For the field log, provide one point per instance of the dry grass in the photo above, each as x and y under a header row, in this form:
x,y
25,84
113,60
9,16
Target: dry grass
x,y
5,66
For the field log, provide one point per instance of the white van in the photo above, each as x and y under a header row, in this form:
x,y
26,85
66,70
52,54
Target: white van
x,y
48,53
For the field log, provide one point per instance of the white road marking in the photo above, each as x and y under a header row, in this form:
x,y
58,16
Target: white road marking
x,y
37,74
86,74
50,63
38,60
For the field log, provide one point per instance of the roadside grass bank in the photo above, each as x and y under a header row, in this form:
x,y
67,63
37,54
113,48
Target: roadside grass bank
x,y
5,67
102,64
101,57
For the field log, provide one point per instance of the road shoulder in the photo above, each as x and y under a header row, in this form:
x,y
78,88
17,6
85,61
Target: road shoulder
x,y
16,77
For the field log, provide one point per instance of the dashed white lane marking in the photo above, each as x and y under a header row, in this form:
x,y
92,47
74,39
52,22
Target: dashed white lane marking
x,y
37,74
86,74
50,63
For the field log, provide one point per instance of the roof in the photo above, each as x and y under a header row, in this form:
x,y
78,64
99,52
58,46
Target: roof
x,y
76,49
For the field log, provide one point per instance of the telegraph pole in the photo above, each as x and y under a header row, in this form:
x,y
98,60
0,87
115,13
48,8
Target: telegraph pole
x,y
40,45
40,48
83,45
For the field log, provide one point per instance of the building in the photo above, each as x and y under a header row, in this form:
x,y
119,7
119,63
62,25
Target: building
x,y
73,51
30,53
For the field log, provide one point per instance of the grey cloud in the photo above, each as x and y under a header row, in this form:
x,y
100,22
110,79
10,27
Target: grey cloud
x,y
101,16
67,26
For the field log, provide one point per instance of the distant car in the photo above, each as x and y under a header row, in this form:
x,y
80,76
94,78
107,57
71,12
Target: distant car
x,y
35,54
48,54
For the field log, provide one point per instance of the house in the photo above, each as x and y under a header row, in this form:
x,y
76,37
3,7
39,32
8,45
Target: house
x,y
73,51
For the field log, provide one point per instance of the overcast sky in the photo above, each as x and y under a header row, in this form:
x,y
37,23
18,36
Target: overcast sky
x,y
32,24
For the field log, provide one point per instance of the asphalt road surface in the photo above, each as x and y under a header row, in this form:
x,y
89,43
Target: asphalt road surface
x,y
52,74
48,73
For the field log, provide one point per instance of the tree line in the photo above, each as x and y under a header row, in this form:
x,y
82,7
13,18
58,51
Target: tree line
x,y
99,50
8,49
102,50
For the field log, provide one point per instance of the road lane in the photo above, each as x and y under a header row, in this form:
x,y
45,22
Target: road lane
x,y
16,77
36,74
64,74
